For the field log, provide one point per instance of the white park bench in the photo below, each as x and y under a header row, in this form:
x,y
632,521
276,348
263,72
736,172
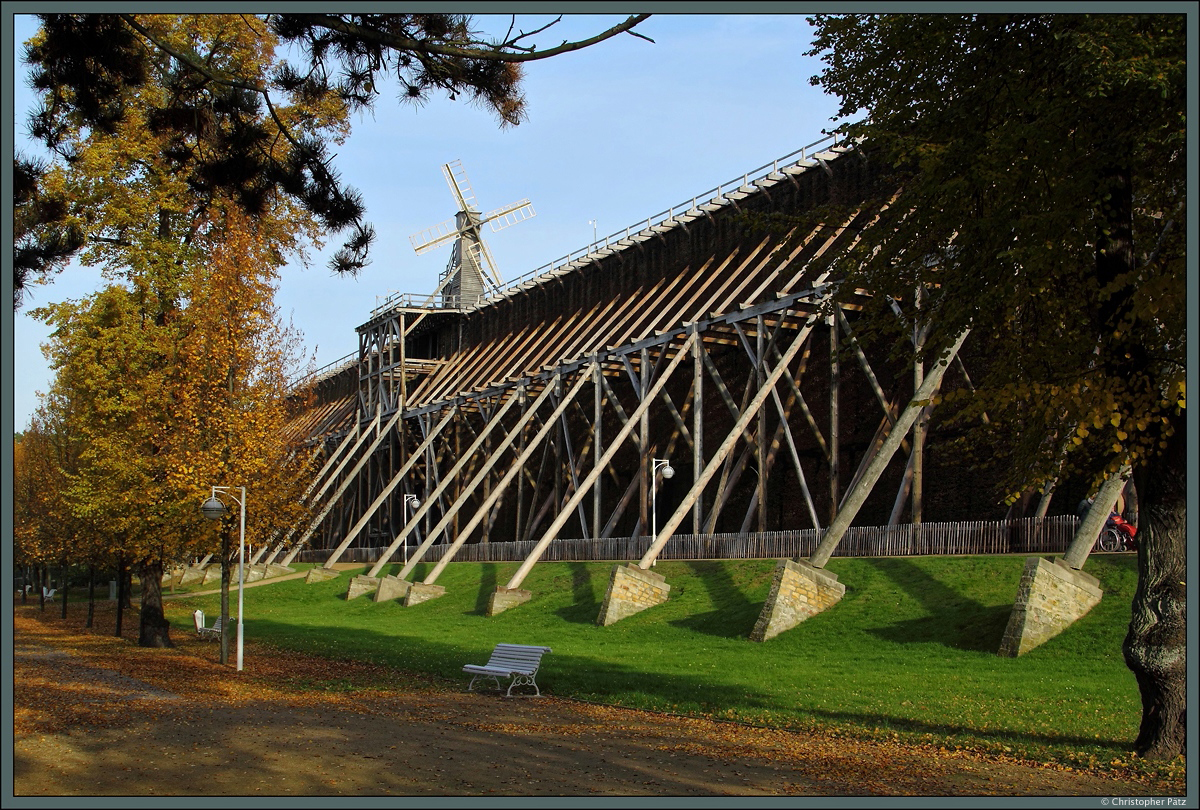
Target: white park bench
x,y
213,632
516,661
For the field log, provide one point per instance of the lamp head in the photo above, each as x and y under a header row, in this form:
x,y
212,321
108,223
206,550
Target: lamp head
x,y
668,471
213,509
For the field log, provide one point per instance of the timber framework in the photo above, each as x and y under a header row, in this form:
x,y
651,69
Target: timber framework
x,y
700,341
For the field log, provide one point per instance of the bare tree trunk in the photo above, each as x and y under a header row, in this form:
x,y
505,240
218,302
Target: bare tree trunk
x,y
1155,647
91,611
154,629
121,595
65,580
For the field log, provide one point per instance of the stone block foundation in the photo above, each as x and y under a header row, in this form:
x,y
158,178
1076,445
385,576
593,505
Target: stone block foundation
x,y
212,573
392,587
320,574
798,592
1051,597
631,590
277,570
504,598
419,592
192,575
253,573
360,585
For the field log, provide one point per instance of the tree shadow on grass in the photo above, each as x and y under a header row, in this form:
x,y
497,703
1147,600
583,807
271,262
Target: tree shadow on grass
x,y
488,578
584,605
957,620
876,721
733,616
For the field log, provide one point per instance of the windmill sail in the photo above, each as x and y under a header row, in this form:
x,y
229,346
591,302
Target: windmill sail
x,y
471,272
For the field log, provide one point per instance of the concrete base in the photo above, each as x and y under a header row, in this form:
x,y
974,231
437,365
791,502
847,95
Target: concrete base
x,y
277,570
504,598
1050,598
212,573
798,592
360,585
392,587
191,576
320,574
254,573
419,592
631,590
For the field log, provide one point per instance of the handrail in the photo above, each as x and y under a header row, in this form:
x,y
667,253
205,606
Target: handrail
x,y
712,195
323,371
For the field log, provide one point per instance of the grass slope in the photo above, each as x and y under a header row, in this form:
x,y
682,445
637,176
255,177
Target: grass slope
x,y
910,650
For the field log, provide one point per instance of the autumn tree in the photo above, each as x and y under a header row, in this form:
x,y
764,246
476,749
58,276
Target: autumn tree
x,y
232,402
1031,187
127,354
236,121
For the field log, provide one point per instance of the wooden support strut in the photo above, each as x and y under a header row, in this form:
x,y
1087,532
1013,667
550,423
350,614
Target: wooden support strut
x,y
380,434
451,513
858,495
601,462
415,519
1093,522
726,447
485,509
396,479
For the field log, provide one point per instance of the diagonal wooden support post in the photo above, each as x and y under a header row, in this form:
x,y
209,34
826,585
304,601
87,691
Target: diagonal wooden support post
x,y
396,479
802,588
727,445
1093,522
485,509
415,519
450,514
857,496
601,463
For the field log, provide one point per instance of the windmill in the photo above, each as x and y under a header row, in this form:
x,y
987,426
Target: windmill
x,y
471,271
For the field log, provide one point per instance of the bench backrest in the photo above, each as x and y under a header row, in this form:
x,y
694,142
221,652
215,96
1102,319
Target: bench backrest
x,y
517,657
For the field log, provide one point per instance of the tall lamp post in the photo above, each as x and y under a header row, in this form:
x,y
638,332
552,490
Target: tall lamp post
x,y
214,509
413,503
663,465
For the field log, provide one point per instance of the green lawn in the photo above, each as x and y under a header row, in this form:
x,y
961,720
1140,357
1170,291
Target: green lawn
x,y
910,649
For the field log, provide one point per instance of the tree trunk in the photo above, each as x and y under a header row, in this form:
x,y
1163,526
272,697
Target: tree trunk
x,y
120,594
127,582
65,578
91,611
154,630
1155,647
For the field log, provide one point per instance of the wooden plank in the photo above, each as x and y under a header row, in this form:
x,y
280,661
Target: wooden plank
x,y
601,462
856,497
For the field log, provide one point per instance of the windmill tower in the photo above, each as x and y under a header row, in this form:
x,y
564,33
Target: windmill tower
x,y
471,271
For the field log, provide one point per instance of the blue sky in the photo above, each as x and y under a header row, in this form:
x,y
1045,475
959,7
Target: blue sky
x,y
616,133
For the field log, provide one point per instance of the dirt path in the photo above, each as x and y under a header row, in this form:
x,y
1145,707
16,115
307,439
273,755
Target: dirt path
x,y
98,716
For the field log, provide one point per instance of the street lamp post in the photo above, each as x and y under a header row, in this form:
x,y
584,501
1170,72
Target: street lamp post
x,y
595,238
413,503
214,509
663,465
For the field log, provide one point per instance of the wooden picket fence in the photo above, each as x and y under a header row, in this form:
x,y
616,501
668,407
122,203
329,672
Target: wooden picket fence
x,y
1050,535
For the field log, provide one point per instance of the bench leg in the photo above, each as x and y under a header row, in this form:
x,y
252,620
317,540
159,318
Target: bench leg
x,y
523,680
471,685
